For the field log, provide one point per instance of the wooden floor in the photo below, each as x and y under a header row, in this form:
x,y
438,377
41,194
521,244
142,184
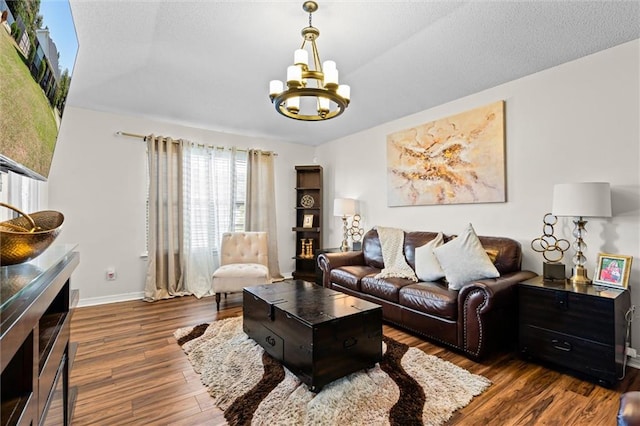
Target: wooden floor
x,y
130,371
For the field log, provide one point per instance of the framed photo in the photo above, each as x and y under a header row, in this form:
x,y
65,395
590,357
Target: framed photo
x,y
613,270
307,222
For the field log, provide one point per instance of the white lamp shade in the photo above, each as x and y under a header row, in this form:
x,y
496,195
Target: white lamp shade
x,y
294,73
328,65
323,105
330,77
293,103
586,199
343,207
301,57
344,91
275,87
330,73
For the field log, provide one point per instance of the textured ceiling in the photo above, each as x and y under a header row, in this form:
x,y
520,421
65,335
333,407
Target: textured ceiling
x,y
207,64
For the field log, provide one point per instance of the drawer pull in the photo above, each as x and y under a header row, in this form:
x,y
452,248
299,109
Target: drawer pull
x,y
562,301
270,340
350,342
561,346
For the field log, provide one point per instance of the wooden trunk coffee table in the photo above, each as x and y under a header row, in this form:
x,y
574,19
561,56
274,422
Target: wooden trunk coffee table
x,y
319,334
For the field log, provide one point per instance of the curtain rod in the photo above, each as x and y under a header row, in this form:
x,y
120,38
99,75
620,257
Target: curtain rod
x,y
143,137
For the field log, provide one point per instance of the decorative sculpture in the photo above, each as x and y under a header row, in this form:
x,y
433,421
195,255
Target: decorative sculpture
x,y
306,248
355,232
552,249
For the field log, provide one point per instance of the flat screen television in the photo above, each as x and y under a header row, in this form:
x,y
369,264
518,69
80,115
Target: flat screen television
x,y
38,48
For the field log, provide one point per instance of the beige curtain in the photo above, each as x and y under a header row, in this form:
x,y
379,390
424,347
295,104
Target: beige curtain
x,y
166,262
261,202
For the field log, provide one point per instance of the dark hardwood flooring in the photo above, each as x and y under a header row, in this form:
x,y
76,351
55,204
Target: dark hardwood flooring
x,y
130,371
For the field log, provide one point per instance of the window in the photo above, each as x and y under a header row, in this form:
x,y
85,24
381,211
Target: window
x,y
213,195
21,192
241,192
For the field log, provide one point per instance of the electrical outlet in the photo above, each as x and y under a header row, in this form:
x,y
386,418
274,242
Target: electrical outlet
x,y
631,352
111,275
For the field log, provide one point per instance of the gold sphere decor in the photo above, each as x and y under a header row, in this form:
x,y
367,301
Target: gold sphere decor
x,y
307,201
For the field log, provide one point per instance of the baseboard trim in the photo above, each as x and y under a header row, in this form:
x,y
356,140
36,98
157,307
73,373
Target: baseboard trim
x,y
125,297
633,362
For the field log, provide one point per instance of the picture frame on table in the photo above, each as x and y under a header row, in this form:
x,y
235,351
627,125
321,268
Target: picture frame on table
x,y
307,221
612,270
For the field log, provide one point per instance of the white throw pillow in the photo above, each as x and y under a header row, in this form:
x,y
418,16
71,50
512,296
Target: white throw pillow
x,y
464,260
427,266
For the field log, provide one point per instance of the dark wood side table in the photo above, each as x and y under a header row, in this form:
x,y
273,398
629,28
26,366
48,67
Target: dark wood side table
x,y
578,329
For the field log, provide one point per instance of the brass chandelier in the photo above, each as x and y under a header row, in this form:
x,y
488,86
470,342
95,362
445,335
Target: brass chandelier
x,y
328,98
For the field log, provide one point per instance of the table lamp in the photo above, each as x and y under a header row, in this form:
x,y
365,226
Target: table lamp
x,y
580,200
344,207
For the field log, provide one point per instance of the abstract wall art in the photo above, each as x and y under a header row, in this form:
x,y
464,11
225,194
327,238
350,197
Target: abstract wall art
x,y
453,160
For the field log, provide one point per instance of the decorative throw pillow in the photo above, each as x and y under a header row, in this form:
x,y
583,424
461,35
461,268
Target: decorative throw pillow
x,y
427,266
463,260
493,254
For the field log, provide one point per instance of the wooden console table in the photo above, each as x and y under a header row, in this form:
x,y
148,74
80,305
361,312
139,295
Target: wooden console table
x,y
36,308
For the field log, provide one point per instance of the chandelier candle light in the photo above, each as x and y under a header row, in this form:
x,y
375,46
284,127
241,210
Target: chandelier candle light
x,y
331,98
580,200
344,207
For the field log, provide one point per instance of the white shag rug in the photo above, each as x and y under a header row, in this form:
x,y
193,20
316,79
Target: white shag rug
x,y
406,387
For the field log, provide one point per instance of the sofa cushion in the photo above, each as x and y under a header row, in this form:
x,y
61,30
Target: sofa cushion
x,y
372,249
463,260
506,253
350,276
431,298
413,240
384,288
427,266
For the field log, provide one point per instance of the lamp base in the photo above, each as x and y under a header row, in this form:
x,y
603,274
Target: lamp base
x,y
580,276
345,233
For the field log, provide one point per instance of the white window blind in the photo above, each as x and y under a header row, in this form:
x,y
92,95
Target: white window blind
x,y
21,192
214,195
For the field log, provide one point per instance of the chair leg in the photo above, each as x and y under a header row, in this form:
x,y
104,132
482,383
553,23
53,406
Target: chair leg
x,y
218,301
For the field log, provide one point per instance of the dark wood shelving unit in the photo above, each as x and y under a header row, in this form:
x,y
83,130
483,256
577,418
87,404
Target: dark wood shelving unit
x,y
309,182
35,325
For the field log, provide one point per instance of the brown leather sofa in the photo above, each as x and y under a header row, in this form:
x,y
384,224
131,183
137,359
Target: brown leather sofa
x,y
477,319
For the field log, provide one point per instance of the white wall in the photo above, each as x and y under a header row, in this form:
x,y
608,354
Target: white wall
x,y
97,181
577,122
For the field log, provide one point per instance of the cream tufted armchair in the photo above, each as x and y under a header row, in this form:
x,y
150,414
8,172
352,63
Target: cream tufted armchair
x,y
243,262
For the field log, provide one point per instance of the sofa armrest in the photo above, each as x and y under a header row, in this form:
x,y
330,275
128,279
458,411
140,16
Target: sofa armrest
x,y
498,291
329,261
488,310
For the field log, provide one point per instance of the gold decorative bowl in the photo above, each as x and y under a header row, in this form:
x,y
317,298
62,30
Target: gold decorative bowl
x,y
25,238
